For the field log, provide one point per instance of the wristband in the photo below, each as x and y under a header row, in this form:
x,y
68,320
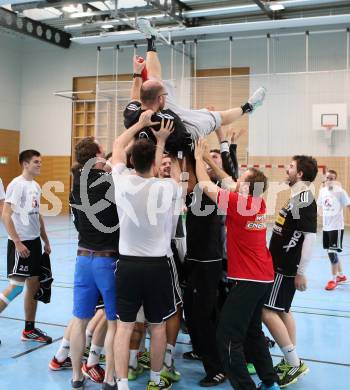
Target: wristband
x,y
134,75
224,147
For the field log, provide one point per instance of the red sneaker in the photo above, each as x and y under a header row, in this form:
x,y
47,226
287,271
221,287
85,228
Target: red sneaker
x,y
36,335
331,285
56,365
96,373
341,279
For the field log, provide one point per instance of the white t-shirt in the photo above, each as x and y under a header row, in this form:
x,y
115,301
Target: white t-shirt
x,y
24,196
333,202
146,209
2,191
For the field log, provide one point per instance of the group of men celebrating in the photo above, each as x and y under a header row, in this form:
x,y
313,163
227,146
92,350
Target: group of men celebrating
x,y
128,255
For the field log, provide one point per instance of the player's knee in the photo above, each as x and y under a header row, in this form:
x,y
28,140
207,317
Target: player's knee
x,y
15,289
333,257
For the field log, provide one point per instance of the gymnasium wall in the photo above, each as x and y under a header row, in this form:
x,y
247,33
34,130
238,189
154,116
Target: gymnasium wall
x,y
10,82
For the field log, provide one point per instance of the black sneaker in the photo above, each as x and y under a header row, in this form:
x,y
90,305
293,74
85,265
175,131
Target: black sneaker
x,y
191,355
210,381
107,386
77,385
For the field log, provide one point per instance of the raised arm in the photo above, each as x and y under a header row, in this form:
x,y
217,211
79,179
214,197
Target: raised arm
x,y
225,179
204,182
137,79
161,135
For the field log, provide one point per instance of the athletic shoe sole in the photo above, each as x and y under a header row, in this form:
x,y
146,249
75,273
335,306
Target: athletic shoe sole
x,y
36,340
295,379
59,368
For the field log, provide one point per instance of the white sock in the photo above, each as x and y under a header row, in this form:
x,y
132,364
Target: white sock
x,y
154,376
169,352
63,350
88,337
133,358
94,355
340,273
123,384
334,278
290,355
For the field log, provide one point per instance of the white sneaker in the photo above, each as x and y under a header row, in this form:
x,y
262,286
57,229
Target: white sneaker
x,y
257,99
144,26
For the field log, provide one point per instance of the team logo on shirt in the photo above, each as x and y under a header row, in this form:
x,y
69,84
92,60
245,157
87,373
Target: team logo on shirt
x,y
293,241
258,224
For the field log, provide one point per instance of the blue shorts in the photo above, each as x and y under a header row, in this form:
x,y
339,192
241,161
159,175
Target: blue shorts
x,y
94,276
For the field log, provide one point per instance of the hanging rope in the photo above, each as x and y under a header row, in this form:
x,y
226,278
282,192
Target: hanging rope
x,y
97,89
116,57
172,61
195,73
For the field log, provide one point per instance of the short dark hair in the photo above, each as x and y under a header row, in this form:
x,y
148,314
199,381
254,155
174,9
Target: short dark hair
x,y
149,94
215,151
143,154
307,165
86,149
333,172
27,155
256,176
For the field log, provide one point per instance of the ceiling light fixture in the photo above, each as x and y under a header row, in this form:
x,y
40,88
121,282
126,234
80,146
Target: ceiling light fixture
x,y
70,8
276,7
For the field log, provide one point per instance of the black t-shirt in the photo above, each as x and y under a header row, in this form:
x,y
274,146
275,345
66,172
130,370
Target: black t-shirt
x,y
204,233
178,140
95,214
298,215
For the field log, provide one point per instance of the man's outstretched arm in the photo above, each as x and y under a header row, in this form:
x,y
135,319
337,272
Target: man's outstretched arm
x,y
137,79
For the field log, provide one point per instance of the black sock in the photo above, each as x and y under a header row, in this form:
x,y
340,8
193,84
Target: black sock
x,y
29,326
247,107
151,43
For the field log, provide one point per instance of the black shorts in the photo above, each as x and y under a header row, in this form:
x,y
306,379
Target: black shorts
x,y
145,281
282,293
175,278
24,267
333,240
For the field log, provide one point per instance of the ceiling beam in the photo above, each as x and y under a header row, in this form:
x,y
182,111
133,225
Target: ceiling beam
x,y
34,29
266,10
169,10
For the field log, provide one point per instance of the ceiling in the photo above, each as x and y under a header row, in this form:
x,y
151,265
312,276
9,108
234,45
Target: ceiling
x,y
93,22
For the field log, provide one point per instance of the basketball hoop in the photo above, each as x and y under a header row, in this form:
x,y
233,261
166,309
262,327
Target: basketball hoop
x,y
328,130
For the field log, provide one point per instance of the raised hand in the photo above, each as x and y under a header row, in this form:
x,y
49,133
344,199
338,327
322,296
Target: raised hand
x,y
165,130
138,65
145,119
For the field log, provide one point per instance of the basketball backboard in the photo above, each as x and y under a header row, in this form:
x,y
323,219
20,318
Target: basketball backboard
x,y
332,116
